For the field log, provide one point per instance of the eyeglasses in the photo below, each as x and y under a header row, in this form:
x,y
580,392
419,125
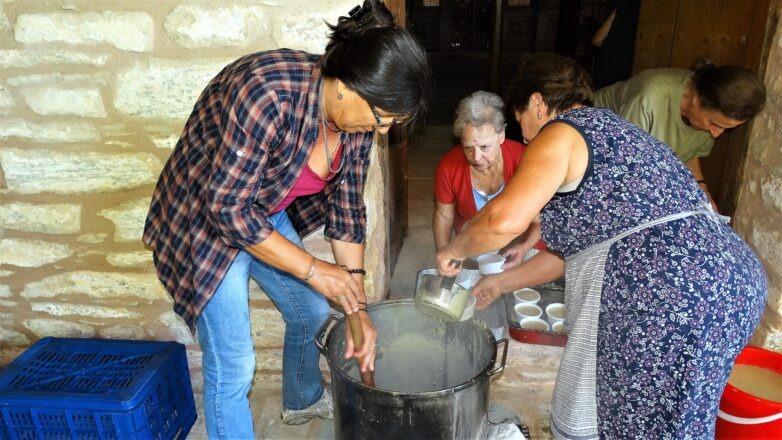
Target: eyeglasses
x,y
379,123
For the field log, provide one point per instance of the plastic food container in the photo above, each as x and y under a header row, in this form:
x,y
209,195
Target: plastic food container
x,y
549,293
526,295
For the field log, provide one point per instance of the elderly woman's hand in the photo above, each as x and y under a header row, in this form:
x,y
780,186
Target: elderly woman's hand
x,y
337,285
487,291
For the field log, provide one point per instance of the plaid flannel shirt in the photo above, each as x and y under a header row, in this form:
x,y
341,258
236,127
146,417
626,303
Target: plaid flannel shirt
x,y
243,148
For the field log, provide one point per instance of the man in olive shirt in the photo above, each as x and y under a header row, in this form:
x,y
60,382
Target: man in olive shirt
x,y
687,110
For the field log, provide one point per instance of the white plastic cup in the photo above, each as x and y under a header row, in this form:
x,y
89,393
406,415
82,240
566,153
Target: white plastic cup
x,y
534,324
490,263
558,327
467,278
526,296
469,309
527,310
555,312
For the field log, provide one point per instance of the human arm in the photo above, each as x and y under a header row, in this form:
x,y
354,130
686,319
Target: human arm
x,y
694,165
542,268
602,32
558,154
518,248
442,223
328,279
351,256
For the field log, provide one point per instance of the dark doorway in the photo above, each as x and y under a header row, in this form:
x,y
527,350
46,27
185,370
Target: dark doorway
x,y
458,35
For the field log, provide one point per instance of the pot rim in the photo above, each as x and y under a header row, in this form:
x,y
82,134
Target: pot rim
x,y
481,376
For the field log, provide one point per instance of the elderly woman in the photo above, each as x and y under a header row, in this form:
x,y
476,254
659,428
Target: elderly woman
x,y
661,293
278,144
474,172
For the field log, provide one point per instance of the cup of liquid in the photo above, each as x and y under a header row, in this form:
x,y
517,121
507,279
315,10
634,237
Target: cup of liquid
x,y
534,324
527,310
555,312
527,296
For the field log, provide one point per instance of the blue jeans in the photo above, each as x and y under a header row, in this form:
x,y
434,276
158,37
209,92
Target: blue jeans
x,y
224,334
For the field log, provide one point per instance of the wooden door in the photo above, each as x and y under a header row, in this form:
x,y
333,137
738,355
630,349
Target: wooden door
x,y
397,171
675,33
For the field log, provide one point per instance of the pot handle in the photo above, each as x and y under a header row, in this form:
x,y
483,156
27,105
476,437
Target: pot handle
x,y
324,332
498,369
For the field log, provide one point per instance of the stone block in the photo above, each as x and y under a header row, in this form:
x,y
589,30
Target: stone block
x,y
92,311
23,58
5,291
6,101
59,218
177,326
766,244
165,142
123,331
304,31
12,338
68,132
772,192
164,89
50,100
129,287
31,253
138,259
128,219
59,328
131,31
39,171
195,25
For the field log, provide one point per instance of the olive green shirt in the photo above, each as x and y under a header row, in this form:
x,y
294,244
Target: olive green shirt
x,y
652,100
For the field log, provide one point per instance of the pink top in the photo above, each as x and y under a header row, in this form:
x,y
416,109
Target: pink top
x,y
309,183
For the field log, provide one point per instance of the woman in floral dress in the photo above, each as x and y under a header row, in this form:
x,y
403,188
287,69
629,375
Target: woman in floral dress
x,y
661,293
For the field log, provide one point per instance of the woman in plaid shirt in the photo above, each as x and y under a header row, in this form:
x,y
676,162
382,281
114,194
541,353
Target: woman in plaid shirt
x,y
277,146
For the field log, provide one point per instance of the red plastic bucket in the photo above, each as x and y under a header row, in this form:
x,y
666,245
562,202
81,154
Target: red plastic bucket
x,y
744,416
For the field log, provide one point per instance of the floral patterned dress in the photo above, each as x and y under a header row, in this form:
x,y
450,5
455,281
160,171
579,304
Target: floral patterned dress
x,y
661,294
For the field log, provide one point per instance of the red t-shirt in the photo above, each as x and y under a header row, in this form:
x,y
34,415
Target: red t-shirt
x,y
452,182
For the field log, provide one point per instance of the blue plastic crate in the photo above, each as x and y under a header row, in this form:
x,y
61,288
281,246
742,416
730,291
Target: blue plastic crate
x,y
97,389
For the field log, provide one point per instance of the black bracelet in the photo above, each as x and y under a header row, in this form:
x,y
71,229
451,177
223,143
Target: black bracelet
x,y
701,181
361,271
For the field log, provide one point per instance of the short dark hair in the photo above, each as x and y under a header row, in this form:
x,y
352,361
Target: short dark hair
x,y
561,81
734,91
380,61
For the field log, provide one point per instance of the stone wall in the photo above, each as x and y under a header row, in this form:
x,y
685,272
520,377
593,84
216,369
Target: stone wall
x,y
758,216
93,96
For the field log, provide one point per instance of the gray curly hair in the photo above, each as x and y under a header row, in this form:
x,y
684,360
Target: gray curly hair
x,y
478,109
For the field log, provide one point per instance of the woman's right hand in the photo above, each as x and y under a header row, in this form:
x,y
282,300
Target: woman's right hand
x,y
337,285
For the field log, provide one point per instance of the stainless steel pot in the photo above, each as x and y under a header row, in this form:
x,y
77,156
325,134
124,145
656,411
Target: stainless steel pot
x,y
432,376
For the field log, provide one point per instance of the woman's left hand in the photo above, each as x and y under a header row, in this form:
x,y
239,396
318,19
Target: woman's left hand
x,y
486,291
366,353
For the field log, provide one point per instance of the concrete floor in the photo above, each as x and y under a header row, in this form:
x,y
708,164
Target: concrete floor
x,y
522,392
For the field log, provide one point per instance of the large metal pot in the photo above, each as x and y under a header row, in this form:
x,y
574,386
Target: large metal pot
x,y
432,376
